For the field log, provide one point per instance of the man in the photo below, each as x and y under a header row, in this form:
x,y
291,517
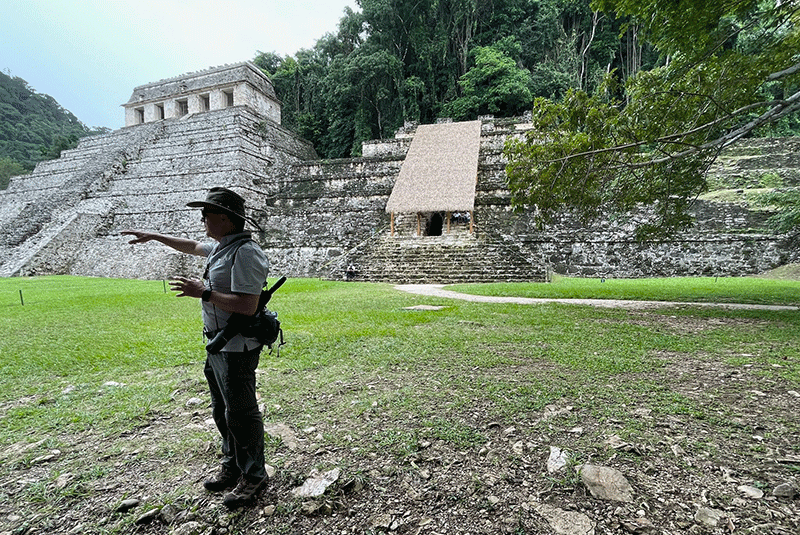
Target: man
x,y
235,274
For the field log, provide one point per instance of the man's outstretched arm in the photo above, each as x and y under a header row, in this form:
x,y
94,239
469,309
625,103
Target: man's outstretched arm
x,y
184,245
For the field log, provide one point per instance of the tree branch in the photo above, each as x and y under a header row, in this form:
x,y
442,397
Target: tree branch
x,y
778,109
784,73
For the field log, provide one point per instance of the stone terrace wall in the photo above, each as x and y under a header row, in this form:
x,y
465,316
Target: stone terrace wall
x,y
315,212
321,216
66,216
727,240
759,163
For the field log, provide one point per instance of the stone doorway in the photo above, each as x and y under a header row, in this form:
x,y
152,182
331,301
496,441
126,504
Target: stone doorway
x,y
435,224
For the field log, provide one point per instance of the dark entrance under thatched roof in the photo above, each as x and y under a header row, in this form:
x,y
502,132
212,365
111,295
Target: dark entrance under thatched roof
x,y
440,171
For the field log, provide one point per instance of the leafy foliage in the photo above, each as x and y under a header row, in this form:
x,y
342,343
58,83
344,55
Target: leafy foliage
x,y
403,60
33,127
495,85
9,168
788,203
649,140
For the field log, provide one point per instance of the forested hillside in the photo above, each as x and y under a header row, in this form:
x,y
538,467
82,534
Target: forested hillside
x,y
405,60
33,127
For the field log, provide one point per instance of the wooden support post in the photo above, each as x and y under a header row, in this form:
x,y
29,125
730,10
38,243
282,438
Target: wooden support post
x,y
471,221
392,224
447,215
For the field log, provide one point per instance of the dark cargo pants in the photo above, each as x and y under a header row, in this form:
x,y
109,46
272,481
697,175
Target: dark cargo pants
x,y
232,382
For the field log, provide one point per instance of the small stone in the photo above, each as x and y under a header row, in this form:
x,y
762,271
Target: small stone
x,y
566,522
317,483
169,513
557,460
639,525
193,402
606,483
64,480
615,442
787,489
148,517
381,521
270,471
189,528
47,458
751,492
709,517
493,500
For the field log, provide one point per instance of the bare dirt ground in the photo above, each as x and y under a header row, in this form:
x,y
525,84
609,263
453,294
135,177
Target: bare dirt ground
x,y
704,473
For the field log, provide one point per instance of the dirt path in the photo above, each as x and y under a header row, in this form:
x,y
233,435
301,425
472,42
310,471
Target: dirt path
x,y
437,290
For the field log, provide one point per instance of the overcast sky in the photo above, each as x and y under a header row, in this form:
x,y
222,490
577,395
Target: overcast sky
x,y
90,54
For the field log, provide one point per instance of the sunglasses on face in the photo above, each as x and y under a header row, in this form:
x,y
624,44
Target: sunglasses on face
x,y
206,213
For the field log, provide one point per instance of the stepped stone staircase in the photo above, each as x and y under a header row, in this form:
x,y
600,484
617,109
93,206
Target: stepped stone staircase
x,y
63,198
757,163
438,260
320,216
67,215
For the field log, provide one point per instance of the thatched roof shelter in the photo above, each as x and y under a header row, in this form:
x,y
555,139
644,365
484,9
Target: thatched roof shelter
x,y
440,170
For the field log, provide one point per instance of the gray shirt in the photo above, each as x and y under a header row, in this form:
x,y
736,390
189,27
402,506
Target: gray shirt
x,y
233,267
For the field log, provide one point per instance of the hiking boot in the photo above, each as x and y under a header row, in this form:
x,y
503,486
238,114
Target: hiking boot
x,y
244,492
226,479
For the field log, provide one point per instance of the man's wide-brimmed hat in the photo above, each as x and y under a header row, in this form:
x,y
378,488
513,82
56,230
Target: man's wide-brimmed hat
x,y
222,199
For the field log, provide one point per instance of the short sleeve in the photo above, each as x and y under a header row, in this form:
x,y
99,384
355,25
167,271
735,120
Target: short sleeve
x,y
207,248
250,270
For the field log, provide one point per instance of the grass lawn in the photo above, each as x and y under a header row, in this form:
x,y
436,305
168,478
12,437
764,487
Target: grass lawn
x,y
365,381
750,290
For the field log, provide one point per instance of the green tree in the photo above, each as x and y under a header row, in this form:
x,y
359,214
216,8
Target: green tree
x,y
424,56
9,168
787,201
34,127
60,144
598,153
495,85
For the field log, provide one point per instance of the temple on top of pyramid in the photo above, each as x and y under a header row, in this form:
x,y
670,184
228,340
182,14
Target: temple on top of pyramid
x,y
240,84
